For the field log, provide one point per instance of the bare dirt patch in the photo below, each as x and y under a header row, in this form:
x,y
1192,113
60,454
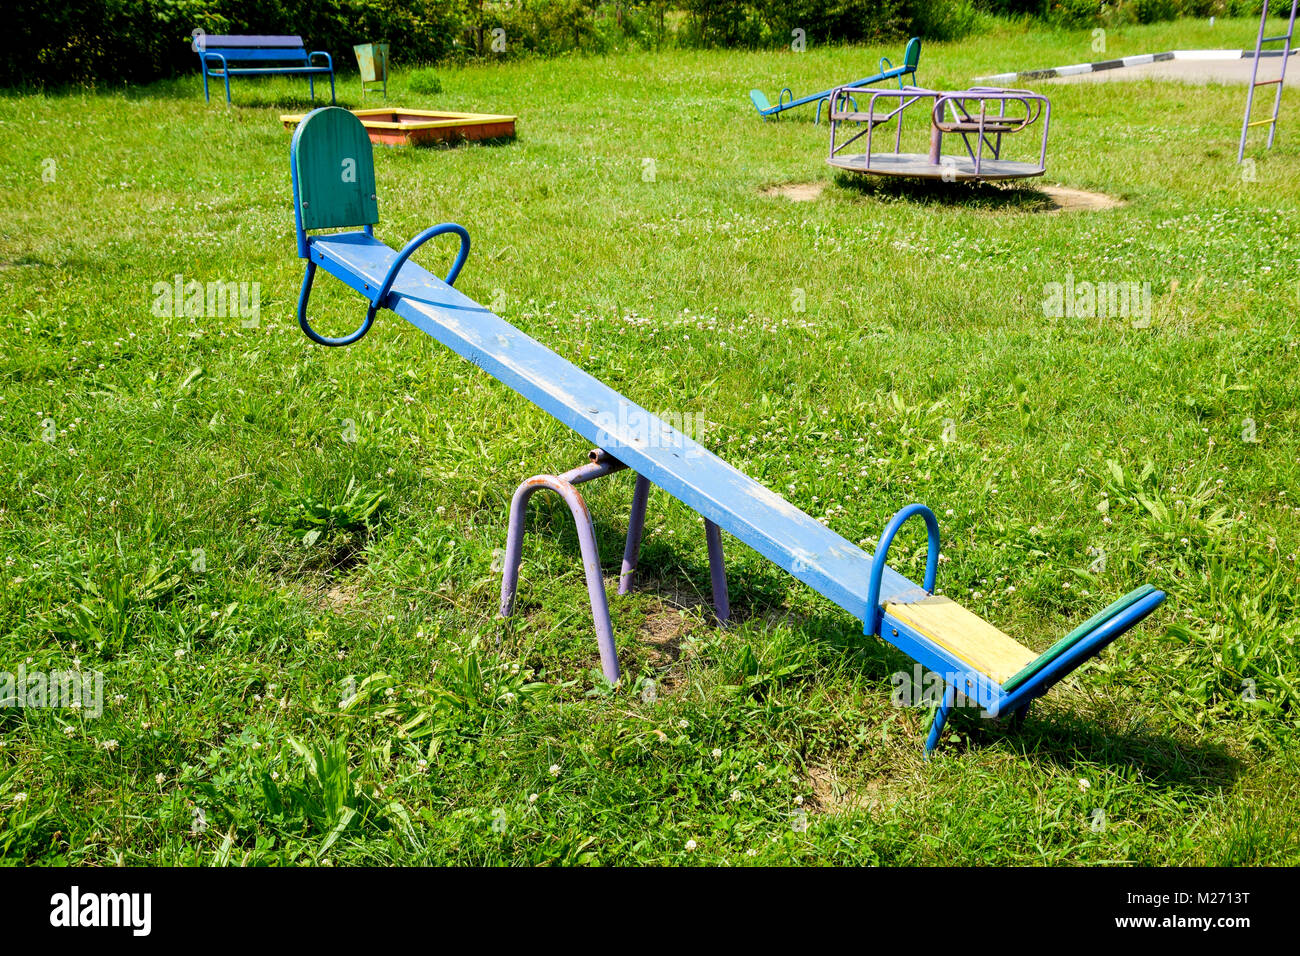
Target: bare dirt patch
x,y
830,795
662,634
795,192
338,597
1066,199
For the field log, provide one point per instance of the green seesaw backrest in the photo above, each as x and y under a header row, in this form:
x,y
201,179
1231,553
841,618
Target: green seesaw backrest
x,y
336,171
912,55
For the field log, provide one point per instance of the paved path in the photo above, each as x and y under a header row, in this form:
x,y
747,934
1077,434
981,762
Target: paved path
x,y
1231,72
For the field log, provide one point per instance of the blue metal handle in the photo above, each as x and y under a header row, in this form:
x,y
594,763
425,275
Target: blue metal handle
x,y
416,243
380,299
311,333
874,611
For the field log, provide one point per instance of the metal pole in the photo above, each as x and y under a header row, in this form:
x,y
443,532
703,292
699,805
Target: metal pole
x,y
602,464
1281,81
717,571
635,528
1254,73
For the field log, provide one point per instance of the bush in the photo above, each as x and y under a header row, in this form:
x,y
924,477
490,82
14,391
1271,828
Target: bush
x,y
947,19
139,40
424,80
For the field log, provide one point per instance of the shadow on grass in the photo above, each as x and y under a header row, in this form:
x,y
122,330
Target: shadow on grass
x,y
245,93
983,196
759,591
288,104
1066,738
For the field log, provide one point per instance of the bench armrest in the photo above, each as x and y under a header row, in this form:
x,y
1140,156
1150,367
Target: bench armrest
x,y
203,60
329,60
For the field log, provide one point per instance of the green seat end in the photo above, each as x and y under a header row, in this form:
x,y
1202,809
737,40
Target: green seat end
x,y
1078,634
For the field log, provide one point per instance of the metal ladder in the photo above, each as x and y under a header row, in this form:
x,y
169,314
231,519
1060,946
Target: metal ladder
x,y
1255,82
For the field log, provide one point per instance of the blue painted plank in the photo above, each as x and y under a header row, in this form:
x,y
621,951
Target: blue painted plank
x,y
269,70
270,56
670,459
215,41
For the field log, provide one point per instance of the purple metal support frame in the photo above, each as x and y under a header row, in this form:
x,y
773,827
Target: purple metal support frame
x,y
601,463
635,527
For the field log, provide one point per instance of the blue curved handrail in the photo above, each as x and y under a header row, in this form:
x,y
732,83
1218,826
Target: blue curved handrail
x,y
381,296
304,294
416,243
874,611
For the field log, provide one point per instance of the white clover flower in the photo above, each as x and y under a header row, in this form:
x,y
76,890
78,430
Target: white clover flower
x,y
554,770
690,846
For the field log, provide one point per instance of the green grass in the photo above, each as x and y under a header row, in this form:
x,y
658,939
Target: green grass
x,y
281,557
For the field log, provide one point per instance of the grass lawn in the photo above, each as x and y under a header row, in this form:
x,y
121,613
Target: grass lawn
x,y
284,558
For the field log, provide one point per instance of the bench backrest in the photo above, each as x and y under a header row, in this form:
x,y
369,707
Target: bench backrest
x,y
266,49
333,172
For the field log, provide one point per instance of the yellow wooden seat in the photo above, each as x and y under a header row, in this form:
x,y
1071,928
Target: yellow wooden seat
x,y
967,635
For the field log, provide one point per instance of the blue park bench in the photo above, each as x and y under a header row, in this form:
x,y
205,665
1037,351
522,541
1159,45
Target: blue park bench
x,y
334,188
223,56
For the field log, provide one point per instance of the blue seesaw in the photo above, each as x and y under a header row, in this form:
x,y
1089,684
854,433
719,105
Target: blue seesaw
x,y
911,57
334,188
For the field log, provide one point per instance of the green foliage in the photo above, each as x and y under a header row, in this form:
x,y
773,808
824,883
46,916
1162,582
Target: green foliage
x,y
134,40
424,80
1119,12
111,41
